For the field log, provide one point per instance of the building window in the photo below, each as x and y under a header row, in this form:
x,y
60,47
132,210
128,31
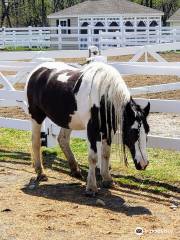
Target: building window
x,y
142,25
98,24
84,31
63,23
129,24
113,24
153,24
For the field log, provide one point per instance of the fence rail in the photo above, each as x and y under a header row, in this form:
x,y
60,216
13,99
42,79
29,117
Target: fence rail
x,y
11,97
82,37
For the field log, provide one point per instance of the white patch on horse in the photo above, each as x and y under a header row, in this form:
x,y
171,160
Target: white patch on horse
x,y
63,77
105,155
99,147
135,125
91,180
140,147
36,145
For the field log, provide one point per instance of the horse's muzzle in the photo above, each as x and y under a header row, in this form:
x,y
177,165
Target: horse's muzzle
x,y
138,165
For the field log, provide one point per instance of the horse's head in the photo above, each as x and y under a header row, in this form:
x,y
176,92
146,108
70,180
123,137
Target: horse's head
x,y
135,130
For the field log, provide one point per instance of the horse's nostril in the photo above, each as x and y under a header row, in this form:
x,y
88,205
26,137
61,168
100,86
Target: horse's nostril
x,y
137,165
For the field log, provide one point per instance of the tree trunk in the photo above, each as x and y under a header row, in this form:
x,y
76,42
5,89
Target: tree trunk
x,y
5,13
44,19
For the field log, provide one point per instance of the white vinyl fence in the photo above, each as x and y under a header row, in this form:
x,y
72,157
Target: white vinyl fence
x,y
11,97
82,37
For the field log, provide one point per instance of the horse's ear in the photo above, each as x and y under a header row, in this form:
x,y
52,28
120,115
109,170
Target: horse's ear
x,y
147,109
130,111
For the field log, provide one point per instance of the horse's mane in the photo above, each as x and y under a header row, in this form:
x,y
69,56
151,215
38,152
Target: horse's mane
x,y
106,81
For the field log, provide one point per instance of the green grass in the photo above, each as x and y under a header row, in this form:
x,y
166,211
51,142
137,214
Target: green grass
x,y
10,49
162,175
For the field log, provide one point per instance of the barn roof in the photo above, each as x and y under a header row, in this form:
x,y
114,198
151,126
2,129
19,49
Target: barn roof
x,y
175,17
104,7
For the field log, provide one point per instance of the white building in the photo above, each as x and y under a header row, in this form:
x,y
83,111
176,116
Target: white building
x,y
105,14
174,20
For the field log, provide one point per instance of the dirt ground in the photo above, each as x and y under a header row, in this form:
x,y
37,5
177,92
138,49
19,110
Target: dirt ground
x,y
58,209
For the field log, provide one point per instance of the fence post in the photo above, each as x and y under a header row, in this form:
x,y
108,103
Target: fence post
x,y
14,39
30,36
135,34
147,34
160,34
118,39
40,38
100,40
59,37
123,32
90,38
51,139
4,37
174,34
157,35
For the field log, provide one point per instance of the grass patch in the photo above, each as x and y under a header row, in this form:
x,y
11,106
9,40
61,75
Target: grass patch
x,y
12,49
162,175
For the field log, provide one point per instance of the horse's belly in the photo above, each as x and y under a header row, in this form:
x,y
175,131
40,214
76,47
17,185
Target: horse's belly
x,y
76,122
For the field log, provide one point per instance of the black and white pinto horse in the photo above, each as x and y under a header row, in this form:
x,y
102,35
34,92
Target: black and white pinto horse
x,y
94,98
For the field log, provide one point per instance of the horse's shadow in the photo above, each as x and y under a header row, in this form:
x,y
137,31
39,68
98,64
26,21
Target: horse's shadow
x,y
57,164
113,202
15,156
74,193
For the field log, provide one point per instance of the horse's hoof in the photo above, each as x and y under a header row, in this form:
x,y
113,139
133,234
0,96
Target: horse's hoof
x,y
77,174
32,186
42,178
107,184
90,193
33,183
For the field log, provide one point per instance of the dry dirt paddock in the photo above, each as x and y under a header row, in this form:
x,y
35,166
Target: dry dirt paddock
x,y
58,209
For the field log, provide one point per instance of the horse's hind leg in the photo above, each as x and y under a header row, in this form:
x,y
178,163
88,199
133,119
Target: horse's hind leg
x,y
36,147
64,139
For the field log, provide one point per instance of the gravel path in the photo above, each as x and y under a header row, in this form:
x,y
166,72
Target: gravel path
x,y
164,124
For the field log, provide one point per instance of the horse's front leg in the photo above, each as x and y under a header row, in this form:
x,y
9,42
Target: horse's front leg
x,y
105,156
91,188
36,148
92,134
64,142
